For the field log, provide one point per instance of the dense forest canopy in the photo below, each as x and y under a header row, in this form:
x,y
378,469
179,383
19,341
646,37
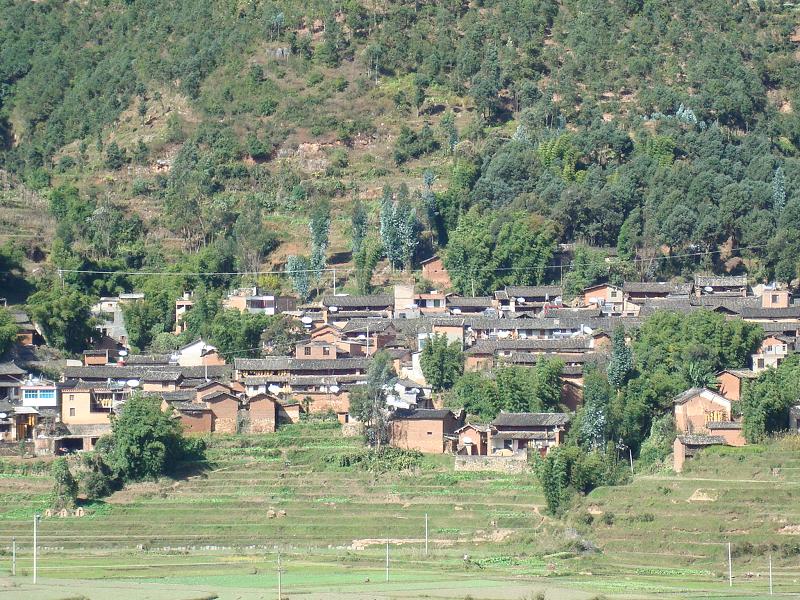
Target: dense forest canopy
x,y
664,130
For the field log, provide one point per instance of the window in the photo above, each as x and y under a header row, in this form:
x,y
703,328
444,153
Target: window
x,y
72,397
430,433
72,412
436,303
307,351
326,351
774,298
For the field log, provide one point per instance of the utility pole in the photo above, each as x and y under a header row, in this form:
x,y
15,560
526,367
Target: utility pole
x,y
630,454
387,560
770,574
334,281
14,556
280,571
426,534
35,532
730,567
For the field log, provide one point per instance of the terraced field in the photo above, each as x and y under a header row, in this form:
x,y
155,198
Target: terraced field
x,y
221,531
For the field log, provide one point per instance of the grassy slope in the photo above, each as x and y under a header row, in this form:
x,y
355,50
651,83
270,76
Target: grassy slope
x,y
214,532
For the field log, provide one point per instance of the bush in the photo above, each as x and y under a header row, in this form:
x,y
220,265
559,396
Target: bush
x,y
608,518
385,459
97,480
410,144
65,488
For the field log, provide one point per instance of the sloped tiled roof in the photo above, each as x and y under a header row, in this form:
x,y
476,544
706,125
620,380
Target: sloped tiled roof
x,y
720,280
510,419
421,414
10,368
656,287
533,291
372,301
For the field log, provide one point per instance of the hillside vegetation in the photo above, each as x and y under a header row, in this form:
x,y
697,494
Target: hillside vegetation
x,y
162,128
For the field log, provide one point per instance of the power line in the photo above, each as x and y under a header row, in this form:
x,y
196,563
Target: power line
x,y
353,269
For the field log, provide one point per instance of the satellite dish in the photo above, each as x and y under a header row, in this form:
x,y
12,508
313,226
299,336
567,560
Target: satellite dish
x,y
273,389
708,288
334,388
456,311
333,308
132,383
3,416
306,320
123,353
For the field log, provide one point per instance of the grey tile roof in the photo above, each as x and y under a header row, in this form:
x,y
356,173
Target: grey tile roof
x,y
459,301
421,414
283,363
791,312
179,396
687,395
712,425
720,280
533,291
138,371
147,359
702,440
88,430
509,419
9,368
372,301
657,287
190,406
492,346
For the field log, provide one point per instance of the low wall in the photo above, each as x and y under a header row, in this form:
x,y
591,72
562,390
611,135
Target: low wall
x,y
500,464
12,448
352,429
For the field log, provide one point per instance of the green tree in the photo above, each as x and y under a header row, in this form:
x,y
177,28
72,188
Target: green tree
x,y
63,315
8,331
65,488
319,226
298,270
360,225
368,402
442,362
766,400
621,363
477,393
254,242
365,261
146,442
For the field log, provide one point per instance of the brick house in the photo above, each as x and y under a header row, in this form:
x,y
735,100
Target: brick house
x,y
696,407
427,430
263,413
514,433
433,270
610,299
11,379
726,285
473,439
224,411
315,349
648,290
732,381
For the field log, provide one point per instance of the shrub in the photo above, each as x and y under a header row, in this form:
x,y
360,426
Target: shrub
x,y
97,480
411,144
385,459
65,488
608,518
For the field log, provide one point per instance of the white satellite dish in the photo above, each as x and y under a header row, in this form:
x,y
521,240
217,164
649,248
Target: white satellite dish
x,y
123,353
273,389
456,311
132,383
708,288
334,388
333,308
3,416
306,320
520,299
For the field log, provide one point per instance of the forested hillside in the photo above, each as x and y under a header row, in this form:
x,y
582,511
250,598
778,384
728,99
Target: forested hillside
x,y
202,136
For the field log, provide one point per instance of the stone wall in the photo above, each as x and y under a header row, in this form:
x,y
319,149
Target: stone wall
x,y
352,429
500,464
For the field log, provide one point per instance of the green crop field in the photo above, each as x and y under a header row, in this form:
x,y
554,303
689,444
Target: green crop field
x,y
219,533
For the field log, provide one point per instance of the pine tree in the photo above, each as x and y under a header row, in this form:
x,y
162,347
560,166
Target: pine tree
x,y
621,363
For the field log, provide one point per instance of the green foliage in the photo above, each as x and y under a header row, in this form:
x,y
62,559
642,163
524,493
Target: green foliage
x,y
399,227
97,479
63,315
368,402
658,445
621,364
365,261
766,400
442,362
8,331
496,248
298,270
381,460
65,488
567,470
145,442
360,224
411,144
319,226
588,266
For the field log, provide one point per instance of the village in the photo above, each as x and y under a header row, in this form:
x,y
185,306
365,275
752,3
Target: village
x,y
519,325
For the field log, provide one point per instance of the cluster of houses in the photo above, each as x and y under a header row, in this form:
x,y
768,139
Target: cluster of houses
x,y
518,325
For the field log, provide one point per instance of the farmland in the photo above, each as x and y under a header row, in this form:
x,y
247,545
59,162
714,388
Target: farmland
x,y
218,532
